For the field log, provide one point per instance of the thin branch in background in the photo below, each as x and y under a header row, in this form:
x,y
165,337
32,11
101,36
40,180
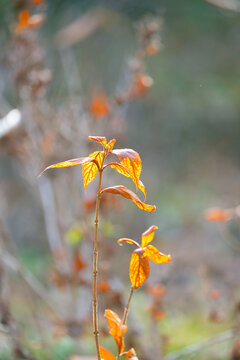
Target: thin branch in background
x,y
49,212
191,349
81,28
12,263
232,5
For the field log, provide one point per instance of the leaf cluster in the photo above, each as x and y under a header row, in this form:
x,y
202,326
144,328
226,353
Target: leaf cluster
x,y
129,165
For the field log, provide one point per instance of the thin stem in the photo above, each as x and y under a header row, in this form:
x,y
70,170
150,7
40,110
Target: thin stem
x,y
126,310
95,267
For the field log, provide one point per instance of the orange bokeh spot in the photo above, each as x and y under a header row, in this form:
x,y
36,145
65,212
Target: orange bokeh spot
x,y
99,107
218,215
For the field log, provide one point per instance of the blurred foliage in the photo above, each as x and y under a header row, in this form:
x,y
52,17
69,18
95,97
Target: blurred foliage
x,y
187,132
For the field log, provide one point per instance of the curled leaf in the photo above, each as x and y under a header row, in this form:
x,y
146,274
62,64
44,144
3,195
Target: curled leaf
x,y
143,189
119,168
132,162
90,169
100,139
128,241
156,256
72,162
129,194
148,235
139,269
106,355
130,354
116,328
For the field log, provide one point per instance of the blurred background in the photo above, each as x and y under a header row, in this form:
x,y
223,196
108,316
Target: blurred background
x,y
162,78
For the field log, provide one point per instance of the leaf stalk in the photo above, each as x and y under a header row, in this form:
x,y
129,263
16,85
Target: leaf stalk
x,y
126,310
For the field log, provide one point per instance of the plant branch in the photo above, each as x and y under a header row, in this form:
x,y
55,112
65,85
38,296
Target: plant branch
x,y
126,310
95,270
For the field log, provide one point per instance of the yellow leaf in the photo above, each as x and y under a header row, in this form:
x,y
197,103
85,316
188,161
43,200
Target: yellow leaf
x,y
156,256
90,169
100,139
129,194
110,145
139,269
119,168
116,328
72,162
148,235
132,162
106,355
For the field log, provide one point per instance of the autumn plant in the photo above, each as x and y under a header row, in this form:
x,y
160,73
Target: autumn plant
x,y
130,166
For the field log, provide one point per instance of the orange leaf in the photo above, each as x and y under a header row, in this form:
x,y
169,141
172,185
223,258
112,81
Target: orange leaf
x,y
110,145
139,269
143,189
148,235
37,2
99,106
130,354
23,18
128,241
90,169
101,139
68,163
116,328
106,355
119,168
153,254
132,162
123,171
218,215
129,194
